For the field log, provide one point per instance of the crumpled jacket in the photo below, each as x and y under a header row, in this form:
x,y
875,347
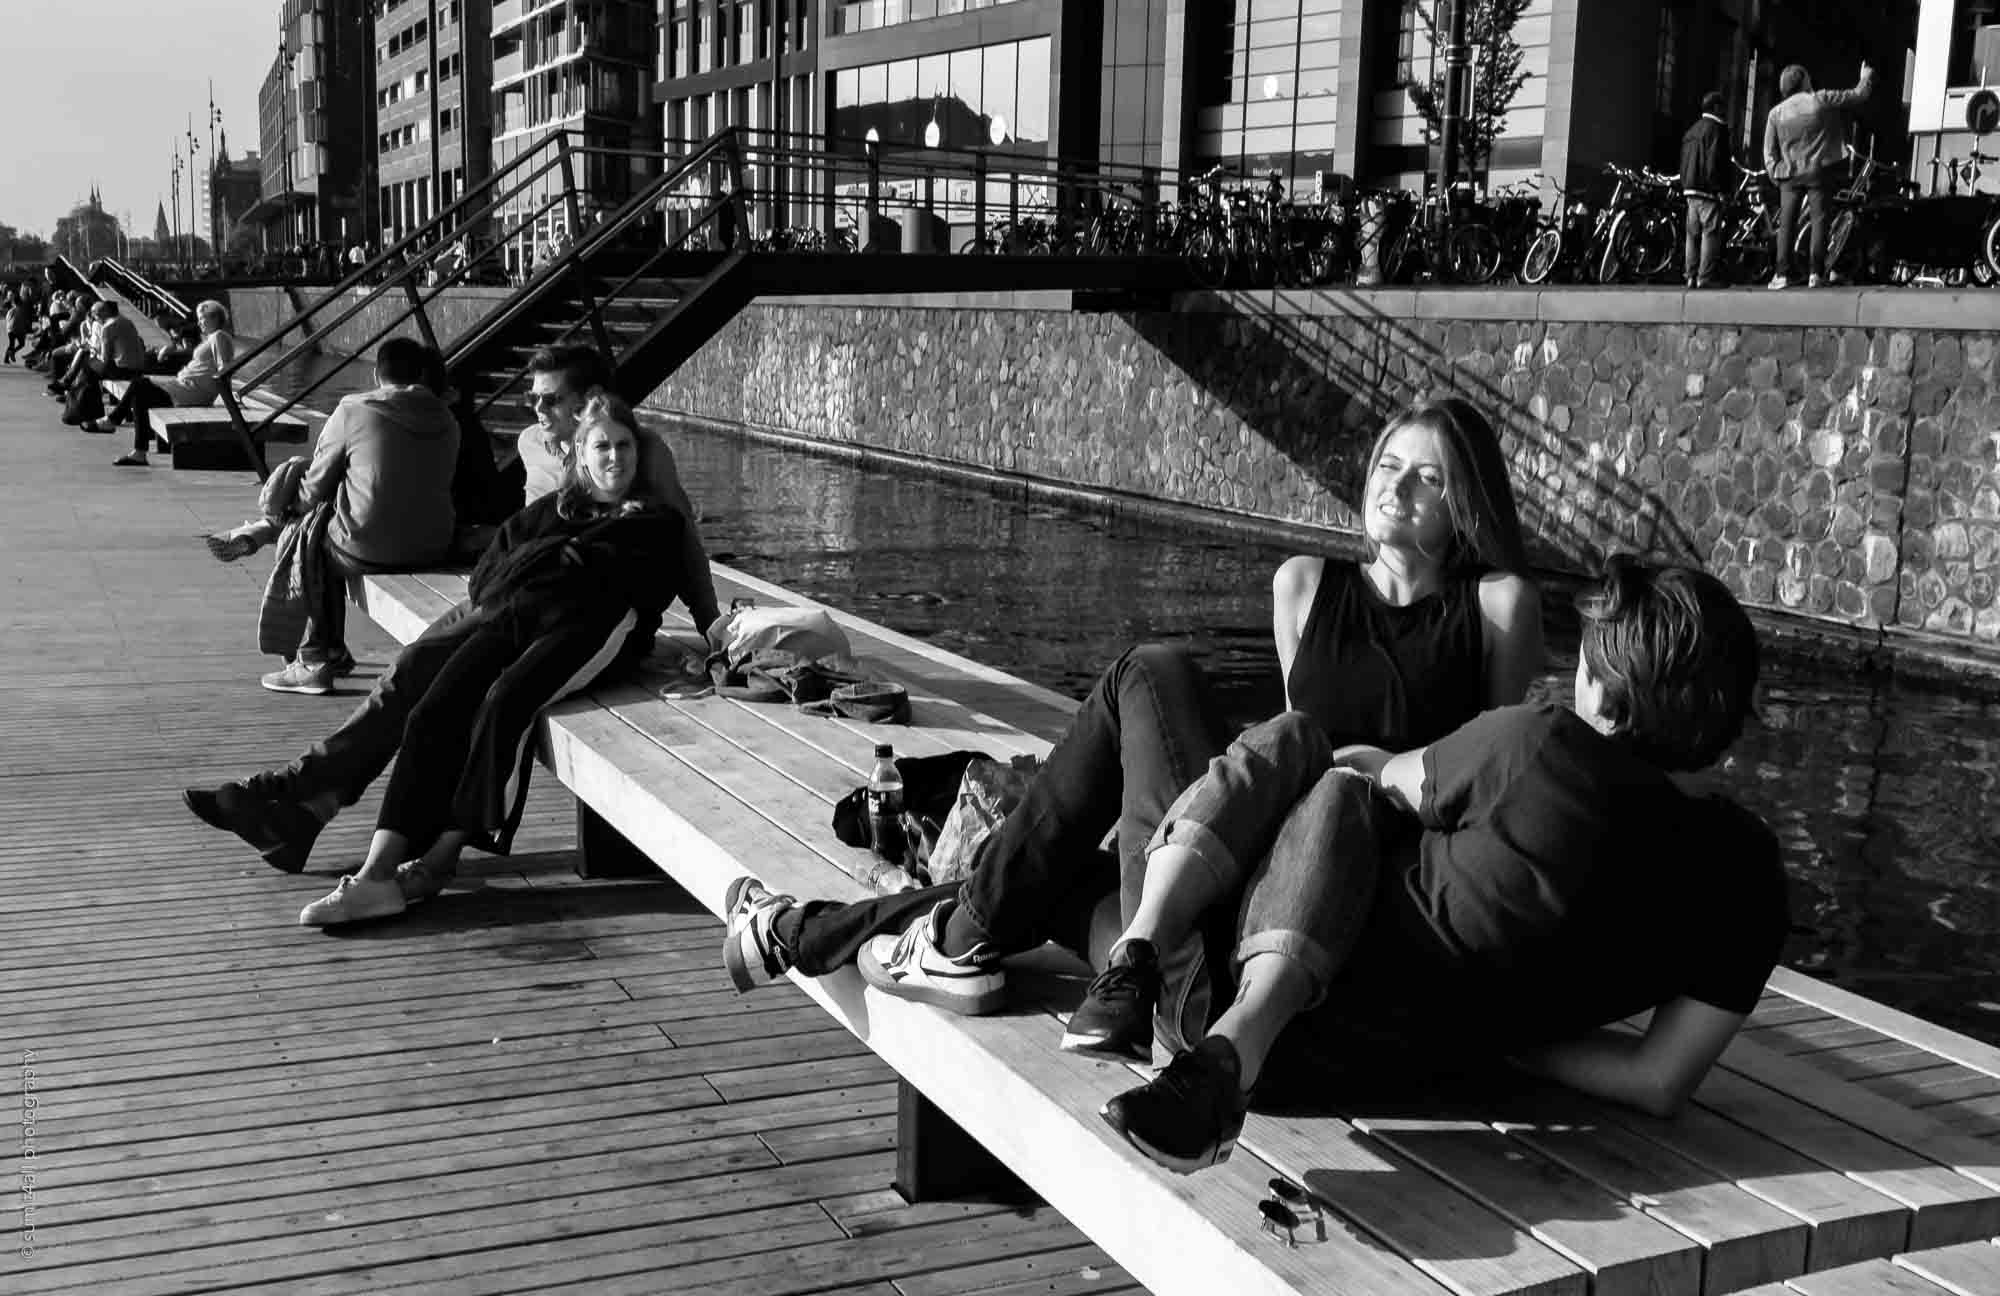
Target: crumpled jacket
x,y
1806,133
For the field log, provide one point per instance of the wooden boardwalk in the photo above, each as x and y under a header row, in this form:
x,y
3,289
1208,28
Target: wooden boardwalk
x,y
545,1084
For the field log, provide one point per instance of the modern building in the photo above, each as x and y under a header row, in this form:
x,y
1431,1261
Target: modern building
x,y
584,67
1958,56
316,125
1306,88
433,120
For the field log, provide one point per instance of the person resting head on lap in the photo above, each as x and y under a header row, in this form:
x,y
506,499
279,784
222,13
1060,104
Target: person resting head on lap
x,y
1510,889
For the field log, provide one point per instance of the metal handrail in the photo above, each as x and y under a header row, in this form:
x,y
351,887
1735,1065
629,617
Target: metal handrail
x,y
136,285
390,254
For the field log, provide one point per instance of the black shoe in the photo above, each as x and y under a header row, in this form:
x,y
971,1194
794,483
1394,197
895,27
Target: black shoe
x,y
1188,1117
1116,1015
282,832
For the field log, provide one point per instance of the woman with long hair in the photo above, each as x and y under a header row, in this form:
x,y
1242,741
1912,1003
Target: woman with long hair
x,y
199,382
1434,624
572,589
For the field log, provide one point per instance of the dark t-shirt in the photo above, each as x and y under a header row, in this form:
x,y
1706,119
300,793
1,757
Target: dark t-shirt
x,y
1562,882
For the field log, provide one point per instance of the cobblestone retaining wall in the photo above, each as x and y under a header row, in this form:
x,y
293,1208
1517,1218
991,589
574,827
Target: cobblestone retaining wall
x,y
1845,473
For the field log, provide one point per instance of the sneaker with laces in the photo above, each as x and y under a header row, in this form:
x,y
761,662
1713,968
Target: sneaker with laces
x,y
280,830
1780,282
751,949
1187,1117
1116,1015
911,966
419,881
300,677
354,900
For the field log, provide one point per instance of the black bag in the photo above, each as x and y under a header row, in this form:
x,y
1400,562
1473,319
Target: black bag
x,y
930,789
84,404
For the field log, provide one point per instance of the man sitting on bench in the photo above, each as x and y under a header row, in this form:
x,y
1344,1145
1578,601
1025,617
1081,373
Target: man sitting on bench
x,y
1506,891
280,812
115,351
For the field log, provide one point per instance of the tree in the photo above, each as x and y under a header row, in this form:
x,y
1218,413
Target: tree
x,y
1496,75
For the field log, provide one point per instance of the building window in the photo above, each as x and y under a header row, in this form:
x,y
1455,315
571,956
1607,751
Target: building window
x,y
1666,68
1408,25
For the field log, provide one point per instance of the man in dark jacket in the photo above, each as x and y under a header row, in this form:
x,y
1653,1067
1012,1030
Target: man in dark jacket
x,y
1704,150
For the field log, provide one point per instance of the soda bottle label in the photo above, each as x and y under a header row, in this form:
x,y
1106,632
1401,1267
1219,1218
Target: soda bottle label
x,y
885,801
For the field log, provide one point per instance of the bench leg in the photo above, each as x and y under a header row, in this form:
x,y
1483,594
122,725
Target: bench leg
x,y
938,1161
602,852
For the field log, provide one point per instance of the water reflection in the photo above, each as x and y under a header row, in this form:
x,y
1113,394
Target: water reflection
x,y
1879,791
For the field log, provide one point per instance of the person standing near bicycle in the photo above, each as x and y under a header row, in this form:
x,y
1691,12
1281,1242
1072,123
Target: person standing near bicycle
x,y
1704,152
1805,150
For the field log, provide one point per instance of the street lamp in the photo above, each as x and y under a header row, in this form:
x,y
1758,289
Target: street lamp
x,y
289,56
176,194
193,148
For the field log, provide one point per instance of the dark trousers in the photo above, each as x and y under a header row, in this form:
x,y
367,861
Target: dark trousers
x,y
141,395
1147,730
353,756
464,756
1790,194
324,637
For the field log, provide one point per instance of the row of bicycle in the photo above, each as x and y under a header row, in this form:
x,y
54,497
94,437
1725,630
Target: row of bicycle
x,y
1626,227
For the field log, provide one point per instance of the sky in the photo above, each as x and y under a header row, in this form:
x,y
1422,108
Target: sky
x,y
100,91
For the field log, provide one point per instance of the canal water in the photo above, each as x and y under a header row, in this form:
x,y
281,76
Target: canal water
x,y
1881,791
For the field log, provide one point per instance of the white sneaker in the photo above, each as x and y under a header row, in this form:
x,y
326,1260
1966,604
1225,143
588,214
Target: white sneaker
x,y
1780,282
353,901
911,966
300,677
1814,281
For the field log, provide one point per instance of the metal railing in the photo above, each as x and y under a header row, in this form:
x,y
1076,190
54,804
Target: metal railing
x,y
142,292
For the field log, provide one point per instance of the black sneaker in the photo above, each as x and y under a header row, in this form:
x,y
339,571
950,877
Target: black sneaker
x,y
751,950
1187,1117
1116,1015
282,832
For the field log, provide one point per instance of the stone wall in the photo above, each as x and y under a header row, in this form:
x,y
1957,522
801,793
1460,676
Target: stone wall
x,y
1820,456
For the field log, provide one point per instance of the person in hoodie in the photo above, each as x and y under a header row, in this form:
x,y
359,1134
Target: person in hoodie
x,y
1805,151
572,589
381,469
1704,151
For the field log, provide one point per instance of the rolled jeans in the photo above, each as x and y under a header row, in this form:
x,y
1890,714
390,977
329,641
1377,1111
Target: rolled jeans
x,y
1147,729
1300,838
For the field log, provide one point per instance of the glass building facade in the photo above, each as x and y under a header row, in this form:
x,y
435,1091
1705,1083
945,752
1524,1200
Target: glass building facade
x,y
993,94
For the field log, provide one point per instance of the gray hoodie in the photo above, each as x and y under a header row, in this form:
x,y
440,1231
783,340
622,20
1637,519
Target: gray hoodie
x,y
385,460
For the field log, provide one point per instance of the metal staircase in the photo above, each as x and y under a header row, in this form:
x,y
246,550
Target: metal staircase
x,y
651,281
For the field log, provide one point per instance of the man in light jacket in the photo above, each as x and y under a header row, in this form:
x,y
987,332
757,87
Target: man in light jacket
x,y
1805,151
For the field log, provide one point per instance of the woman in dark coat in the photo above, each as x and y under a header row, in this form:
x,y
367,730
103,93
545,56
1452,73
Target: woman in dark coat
x,y
571,589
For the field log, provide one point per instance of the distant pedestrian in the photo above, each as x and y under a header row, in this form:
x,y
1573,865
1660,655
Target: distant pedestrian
x,y
1704,149
1805,150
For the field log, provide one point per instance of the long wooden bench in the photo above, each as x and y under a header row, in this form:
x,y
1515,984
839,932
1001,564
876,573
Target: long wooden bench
x,y
202,436
1785,1166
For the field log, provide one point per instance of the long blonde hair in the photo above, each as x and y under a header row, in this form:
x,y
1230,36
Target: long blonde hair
x,y
1485,524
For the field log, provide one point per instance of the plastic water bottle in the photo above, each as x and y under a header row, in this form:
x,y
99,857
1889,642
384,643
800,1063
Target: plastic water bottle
x,y
885,806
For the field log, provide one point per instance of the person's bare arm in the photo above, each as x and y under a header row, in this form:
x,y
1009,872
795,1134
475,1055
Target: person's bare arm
x,y
1512,610
1656,1072
1292,589
1400,775
1851,98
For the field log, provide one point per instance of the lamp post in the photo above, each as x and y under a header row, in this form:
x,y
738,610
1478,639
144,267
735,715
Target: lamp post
x,y
176,196
214,159
289,57
1457,67
192,224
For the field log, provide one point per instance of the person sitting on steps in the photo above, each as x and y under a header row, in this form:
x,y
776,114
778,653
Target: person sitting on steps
x,y
1434,626
279,812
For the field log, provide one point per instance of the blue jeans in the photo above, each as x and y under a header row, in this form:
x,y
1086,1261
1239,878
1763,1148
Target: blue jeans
x,y
1300,839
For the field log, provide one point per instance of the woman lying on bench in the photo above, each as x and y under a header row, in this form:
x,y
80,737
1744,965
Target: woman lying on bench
x,y
571,589
1398,650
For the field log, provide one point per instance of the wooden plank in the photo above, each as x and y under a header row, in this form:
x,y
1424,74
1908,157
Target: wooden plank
x,y
1968,1269
1747,1240
1870,1278
1467,1248
1945,1043
1623,1249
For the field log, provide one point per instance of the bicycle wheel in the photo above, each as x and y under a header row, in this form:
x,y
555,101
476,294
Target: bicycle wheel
x,y
1472,254
1610,259
1539,266
978,245
1398,257
1656,241
1840,243
1207,257
1989,246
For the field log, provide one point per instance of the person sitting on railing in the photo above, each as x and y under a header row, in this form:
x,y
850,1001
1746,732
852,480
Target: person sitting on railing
x,y
198,383
116,351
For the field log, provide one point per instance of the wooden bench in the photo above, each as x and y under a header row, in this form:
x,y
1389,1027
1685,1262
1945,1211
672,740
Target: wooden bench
x,y
202,436
1783,1168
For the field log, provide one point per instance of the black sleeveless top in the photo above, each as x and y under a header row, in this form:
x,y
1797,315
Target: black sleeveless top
x,y
1393,677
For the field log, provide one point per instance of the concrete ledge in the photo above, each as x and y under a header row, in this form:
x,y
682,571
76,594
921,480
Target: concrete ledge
x,y
1037,300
